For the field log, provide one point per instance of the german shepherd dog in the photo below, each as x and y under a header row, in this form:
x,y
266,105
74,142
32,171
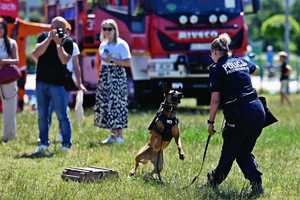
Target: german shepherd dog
x,y
162,129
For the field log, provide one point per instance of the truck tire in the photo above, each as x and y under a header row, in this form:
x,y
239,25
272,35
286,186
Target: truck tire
x,y
144,96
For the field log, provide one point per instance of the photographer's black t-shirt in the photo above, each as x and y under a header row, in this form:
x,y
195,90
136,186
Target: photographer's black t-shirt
x,y
49,67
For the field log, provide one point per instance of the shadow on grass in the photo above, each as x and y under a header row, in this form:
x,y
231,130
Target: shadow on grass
x,y
205,192
149,179
154,182
53,142
34,155
183,110
95,144
42,154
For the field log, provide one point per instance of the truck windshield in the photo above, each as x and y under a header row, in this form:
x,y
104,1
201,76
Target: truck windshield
x,y
197,6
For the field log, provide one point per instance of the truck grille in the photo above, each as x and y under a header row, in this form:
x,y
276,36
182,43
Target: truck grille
x,y
198,63
169,45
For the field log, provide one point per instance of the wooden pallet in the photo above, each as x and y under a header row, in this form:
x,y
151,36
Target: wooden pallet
x,y
87,174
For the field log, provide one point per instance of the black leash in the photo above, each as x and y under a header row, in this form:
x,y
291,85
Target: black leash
x,y
203,159
204,155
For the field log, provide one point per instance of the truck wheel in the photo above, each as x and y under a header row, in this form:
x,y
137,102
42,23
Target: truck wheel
x,y
149,102
144,94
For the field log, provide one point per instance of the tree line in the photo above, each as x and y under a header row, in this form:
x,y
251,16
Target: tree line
x,y
268,25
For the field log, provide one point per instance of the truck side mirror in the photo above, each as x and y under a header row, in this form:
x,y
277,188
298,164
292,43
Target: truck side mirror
x,y
251,6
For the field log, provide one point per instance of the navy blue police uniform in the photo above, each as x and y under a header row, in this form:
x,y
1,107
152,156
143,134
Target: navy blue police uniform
x,y
244,115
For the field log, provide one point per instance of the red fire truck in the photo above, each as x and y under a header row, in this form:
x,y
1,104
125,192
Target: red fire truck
x,y
19,30
169,39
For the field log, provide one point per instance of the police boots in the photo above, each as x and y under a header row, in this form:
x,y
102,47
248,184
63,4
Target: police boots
x,y
211,182
256,189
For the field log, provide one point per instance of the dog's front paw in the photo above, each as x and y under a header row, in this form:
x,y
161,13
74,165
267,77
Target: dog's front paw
x,y
132,173
181,156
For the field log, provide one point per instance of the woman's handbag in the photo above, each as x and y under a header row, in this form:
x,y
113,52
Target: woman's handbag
x,y
79,113
270,118
69,83
9,73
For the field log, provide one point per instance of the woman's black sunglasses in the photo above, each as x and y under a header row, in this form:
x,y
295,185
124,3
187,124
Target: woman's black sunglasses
x,y
107,29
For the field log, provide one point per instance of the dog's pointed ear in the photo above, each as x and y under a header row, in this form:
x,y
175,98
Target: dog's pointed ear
x,y
181,93
180,90
165,88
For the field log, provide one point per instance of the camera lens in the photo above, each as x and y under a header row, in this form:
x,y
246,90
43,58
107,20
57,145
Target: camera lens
x,y
60,32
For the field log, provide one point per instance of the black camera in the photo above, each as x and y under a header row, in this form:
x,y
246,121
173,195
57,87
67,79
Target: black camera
x,y
60,32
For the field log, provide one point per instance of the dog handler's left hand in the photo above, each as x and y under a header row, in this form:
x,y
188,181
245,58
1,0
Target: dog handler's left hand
x,y
211,129
81,87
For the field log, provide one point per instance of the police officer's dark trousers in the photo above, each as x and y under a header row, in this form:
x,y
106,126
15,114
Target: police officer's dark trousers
x,y
244,123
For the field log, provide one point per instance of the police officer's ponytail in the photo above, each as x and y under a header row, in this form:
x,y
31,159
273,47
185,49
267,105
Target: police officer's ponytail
x,y
221,43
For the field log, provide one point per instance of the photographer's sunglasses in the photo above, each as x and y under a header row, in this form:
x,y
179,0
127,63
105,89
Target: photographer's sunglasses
x,y
107,29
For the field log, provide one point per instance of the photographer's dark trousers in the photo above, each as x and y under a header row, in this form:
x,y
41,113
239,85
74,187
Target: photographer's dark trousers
x,y
244,123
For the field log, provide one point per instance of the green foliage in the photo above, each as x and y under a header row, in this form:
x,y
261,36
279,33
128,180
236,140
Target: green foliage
x,y
35,16
273,28
31,65
268,8
295,10
277,152
21,14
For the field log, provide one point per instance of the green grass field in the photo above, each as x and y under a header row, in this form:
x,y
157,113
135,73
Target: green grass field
x,y
277,152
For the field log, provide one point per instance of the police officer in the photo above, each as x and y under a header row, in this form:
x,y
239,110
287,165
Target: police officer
x,y
231,89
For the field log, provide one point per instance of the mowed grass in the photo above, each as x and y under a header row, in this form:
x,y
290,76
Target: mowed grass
x,y
277,152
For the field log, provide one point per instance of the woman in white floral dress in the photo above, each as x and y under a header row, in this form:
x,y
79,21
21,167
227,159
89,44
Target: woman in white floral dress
x,y
111,110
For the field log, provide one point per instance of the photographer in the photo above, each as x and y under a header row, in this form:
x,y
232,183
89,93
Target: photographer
x,y
231,87
53,50
73,66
